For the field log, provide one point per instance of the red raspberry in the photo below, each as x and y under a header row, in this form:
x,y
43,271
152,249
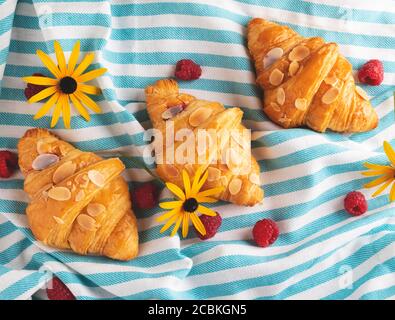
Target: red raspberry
x,y
59,291
33,89
371,73
355,203
186,69
265,232
211,224
146,196
8,163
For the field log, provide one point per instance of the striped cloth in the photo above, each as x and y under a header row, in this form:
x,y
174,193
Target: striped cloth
x,y
322,252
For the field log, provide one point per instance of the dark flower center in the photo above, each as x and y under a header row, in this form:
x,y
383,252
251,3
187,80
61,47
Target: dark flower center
x,y
68,85
190,205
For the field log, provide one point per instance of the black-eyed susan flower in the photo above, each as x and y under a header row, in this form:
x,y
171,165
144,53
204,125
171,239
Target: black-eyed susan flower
x,y
189,205
67,86
385,173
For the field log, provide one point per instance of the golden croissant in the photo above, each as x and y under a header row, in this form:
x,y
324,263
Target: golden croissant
x,y
78,200
306,81
236,170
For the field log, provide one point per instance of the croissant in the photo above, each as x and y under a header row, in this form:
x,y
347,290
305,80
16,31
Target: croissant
x,y
235,169
306,81
78,200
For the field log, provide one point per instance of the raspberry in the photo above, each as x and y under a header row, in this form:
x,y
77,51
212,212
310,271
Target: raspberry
x,y
146,196
265,232
8,163
33,89
59,291
211,224
355,203
371,73
186,69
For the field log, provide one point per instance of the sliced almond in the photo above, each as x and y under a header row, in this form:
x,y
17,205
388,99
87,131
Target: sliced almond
x,y
95,209
280,96
275,107
80,195
97,178
86,222
254,178
58,220
224,180
64,171
199,116
330,96
332,80
235,186
293,68
276,77
59,193
44,161
272,56
362,93
213,174
284,120
301,104
299,53
172,112
171,170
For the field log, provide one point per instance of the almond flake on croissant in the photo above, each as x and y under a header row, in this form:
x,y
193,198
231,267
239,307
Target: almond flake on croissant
x,y
241,183
306,81
78,200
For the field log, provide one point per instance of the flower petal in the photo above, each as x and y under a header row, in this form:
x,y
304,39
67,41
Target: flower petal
x,y
206,199
83,65
392,193
43,81
198,224
206,211
73,58
57,111
389,152
168,215
376,166
196,179
47,61
89,89
176,190
210,192
377,181
176,227
66,112
48,105
60,57
371,173
91,75
185,224
169,223
80,108
43,94
170,204
382,188
200,183
187,183
88,101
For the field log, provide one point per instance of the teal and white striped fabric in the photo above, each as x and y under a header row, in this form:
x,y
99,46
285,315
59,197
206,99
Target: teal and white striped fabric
x,y
322,252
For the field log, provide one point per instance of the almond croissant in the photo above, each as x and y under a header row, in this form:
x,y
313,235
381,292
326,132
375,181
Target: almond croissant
x,y
306,81
78,200
238,173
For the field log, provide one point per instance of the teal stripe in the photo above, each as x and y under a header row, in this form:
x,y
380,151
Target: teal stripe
x,y
62,19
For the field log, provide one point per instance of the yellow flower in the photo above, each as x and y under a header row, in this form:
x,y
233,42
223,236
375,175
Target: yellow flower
x,y
188,205
385,174
68,84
